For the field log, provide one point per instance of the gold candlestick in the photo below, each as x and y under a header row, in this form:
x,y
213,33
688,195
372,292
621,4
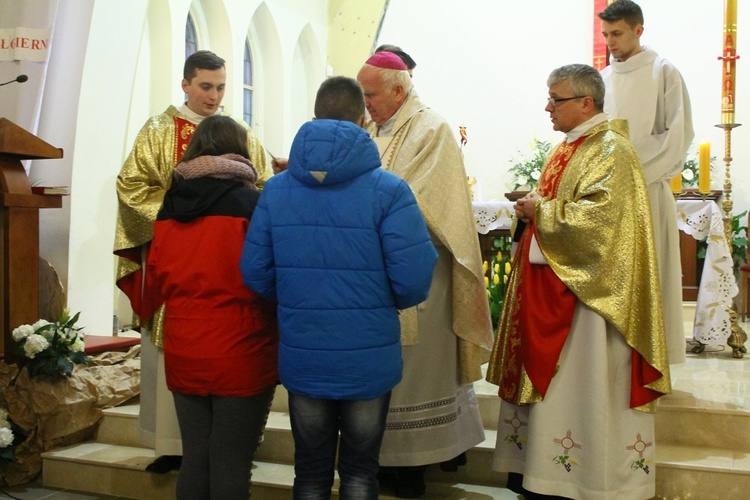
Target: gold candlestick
x,y
737,337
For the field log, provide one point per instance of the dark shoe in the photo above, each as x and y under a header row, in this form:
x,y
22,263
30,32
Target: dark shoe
x,y
410,482
164,464
515,482
387,478
453,464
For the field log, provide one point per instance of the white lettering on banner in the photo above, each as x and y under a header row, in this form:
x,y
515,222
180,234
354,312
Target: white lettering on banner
x,y
24,44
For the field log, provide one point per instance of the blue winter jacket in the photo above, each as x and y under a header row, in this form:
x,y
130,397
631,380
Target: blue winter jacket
x,y
341,245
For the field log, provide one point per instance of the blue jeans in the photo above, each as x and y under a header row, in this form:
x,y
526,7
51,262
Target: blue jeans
x,y
316,424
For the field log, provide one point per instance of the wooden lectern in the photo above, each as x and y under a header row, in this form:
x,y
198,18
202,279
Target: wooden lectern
x,y
19,230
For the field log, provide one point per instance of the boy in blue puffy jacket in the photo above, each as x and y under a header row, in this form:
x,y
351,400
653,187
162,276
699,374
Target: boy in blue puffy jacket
x,y
341,246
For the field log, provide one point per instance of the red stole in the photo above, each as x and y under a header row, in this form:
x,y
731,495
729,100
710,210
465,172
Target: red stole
x,y
542,311
132,284
183,131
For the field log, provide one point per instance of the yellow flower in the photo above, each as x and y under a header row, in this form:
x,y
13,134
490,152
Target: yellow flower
x,y
486,282
489,294
497,268
507,268
496,279
485,266
505,279
499,255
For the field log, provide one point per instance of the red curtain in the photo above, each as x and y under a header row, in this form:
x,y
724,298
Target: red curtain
x,y
601,56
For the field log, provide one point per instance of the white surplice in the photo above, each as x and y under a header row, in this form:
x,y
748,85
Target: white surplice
x,y
650,93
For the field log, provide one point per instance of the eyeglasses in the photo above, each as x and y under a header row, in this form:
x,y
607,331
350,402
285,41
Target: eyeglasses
x,y
554,101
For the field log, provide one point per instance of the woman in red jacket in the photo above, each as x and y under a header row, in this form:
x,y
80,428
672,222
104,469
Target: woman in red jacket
x,y
220,339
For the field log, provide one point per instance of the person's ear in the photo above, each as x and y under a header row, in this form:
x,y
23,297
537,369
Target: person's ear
x,y
398,89
639,30
185,85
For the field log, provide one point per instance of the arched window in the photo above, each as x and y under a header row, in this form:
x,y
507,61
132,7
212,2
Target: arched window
x,y
191,39
247,86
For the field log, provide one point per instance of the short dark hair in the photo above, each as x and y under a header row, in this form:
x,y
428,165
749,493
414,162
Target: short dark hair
x,y
626,10
217,135
386,47
340,98
203,59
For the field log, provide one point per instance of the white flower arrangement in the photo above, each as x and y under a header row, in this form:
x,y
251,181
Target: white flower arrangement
x,y
7,436
51,349
527,171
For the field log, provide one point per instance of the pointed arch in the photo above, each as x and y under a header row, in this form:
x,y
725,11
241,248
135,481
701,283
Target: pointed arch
x,y
307,74
269,78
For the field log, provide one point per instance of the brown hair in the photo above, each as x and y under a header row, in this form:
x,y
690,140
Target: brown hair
x,y
217,135
203,59
626,10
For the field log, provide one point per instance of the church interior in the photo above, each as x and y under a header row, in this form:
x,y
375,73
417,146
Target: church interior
x,y
102,67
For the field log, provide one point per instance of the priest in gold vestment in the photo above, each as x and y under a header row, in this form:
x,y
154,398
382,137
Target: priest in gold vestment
x,y
141,184
580,356
433,415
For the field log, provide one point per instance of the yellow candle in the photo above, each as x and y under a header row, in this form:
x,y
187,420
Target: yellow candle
x,y
729,58
676,183
704,167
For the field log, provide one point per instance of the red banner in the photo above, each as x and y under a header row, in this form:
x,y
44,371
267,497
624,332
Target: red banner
x,y
601,58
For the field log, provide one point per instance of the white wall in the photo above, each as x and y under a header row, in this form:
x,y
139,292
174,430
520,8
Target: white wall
x,y
484,63
133,51
107,83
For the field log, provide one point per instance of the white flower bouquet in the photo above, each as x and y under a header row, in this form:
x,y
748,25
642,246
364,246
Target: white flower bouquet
x,y
527,171
7,436
51,349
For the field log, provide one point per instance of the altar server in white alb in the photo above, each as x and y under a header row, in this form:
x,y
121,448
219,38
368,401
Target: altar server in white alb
x,y
649,92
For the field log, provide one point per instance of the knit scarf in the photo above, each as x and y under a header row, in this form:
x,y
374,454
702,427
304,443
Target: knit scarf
x,y
229,166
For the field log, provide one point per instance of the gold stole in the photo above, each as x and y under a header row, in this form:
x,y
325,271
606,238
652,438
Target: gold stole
x,y
133,284
390,145
538,312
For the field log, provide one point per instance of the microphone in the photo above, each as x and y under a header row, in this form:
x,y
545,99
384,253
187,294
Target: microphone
x,y
19,79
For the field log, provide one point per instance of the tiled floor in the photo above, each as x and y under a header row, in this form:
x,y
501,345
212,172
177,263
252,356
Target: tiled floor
x,y
37,491
714,378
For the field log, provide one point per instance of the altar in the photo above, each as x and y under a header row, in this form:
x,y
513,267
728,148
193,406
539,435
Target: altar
x,y
695,217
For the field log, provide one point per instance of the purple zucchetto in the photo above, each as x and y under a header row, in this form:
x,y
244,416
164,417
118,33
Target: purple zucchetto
x,y
387,60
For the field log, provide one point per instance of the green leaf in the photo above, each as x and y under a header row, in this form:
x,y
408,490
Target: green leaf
x,y
79,358
64,366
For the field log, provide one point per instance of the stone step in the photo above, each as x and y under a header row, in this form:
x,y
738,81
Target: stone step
x,y
701,472
487,399
278,447
120,471
701,427
682,472
119,425
681,419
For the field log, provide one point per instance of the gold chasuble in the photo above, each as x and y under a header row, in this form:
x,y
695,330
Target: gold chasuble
x,y
422,150
141,185
593,227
